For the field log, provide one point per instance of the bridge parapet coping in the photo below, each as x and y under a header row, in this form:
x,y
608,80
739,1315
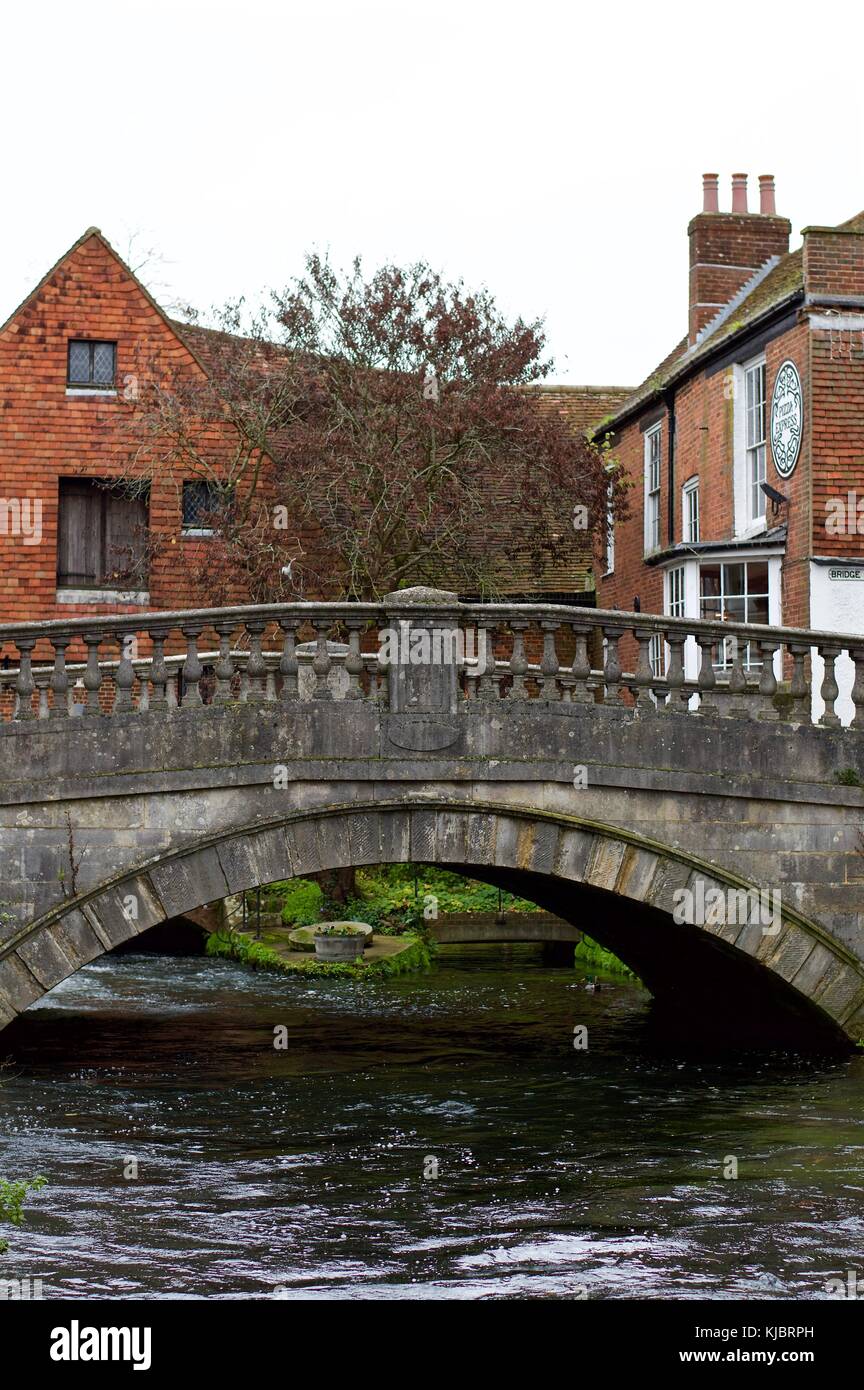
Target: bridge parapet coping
x,y
422,653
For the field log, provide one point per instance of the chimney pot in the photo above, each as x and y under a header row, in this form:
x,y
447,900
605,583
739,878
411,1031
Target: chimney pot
x,y
766,195
710,183
739,192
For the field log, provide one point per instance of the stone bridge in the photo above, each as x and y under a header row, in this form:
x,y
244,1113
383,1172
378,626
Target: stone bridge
x,y
687,812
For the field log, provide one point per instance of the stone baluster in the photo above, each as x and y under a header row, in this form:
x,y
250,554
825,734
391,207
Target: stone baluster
x,y
372,666
321,663
42,680
288,663
706,682
549,663
224,668
158,669
518,661
679,695
192,668
857,656
25,684
829,692
354,660
767,679
256,666
612,673
659,685
799,686
640,685
92,675
124,675
486,671
60,679
580,667
739,706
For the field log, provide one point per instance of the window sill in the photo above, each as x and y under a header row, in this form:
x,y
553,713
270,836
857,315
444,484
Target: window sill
x,y
195,532
131,596
104,394
753,528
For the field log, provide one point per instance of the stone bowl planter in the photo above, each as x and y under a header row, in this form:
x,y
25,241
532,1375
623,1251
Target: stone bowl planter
x,y
303,938
340,941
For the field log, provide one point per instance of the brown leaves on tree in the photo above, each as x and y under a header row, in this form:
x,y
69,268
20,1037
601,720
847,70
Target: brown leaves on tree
x,y
371,433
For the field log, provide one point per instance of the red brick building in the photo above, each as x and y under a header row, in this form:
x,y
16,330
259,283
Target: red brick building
x,y
744,448
70,356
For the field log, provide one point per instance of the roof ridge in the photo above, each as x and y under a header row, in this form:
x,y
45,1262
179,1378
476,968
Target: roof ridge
x,y
85,236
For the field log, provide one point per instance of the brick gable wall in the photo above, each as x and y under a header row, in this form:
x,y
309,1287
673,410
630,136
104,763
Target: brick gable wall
x,y
46,434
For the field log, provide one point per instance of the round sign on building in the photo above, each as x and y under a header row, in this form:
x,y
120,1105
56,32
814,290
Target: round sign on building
x,y
787,418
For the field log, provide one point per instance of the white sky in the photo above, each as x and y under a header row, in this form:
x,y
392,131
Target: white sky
x,y
550,151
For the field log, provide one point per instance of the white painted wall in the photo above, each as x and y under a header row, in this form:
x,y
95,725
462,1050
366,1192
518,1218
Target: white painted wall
x,y
836,605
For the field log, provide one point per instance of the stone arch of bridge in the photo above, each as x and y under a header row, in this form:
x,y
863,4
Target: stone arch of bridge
x,y
783,980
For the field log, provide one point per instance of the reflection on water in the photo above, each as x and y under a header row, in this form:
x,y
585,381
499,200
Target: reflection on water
x,y
300,1172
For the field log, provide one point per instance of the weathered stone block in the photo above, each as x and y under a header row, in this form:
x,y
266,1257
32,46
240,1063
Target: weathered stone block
x,y
605,863
423,836
364,837
191,881
670,875
77,938
45,958
575,848
792,948
303,848
395,837
125,909
19,988
636,873
451,837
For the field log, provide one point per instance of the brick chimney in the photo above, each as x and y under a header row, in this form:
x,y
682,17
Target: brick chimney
x,y
727,248
834,265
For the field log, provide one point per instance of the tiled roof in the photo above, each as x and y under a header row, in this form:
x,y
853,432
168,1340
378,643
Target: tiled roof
x,y
768,291
584,407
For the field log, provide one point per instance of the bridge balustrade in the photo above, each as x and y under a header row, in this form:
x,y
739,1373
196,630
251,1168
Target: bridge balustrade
x,y
393,651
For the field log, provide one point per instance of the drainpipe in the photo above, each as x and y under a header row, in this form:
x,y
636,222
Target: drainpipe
x,y
669,400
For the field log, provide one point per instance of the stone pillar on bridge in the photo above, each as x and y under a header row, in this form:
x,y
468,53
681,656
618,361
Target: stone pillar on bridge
x,y
422,651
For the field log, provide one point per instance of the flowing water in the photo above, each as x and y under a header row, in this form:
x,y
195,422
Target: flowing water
x,y
430,1136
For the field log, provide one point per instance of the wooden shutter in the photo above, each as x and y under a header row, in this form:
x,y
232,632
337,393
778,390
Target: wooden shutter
x,y
79,534
125,540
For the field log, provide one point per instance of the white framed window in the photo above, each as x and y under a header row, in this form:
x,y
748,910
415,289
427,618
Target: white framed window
x,y
690,511
736,592
656,656
610,533
755,414
675,606
653,439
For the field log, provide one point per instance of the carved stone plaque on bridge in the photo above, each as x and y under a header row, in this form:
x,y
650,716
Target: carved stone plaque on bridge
x,y
422,654
422,733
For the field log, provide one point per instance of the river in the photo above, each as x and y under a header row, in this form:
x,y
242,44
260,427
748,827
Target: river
x,y
424,1137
